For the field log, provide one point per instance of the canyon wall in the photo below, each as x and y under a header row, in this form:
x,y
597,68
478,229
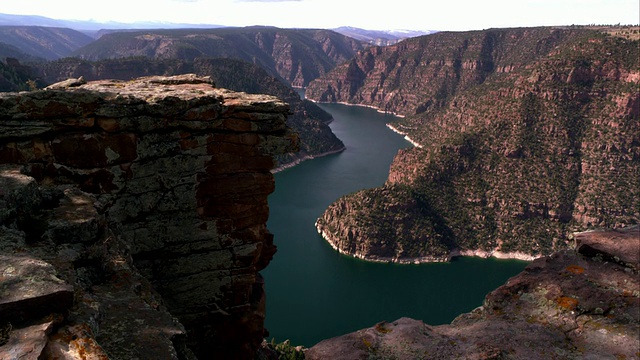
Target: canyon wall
x,y
295,55
142,205
524,136
307,119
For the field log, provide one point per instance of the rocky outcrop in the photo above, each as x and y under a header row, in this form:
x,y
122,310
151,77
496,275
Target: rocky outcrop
x,y
307,119
133,218
576,304
533,136
69,286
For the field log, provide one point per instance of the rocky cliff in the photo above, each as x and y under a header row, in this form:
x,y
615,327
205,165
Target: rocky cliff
x,y
524,136
307,119
133,218
576,304
295,55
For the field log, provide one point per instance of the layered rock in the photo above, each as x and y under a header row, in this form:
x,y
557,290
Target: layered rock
x,y
526,135
576,304
69,287
148,198
307,119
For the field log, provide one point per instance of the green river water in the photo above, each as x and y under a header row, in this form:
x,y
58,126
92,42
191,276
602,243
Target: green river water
x,y
314,293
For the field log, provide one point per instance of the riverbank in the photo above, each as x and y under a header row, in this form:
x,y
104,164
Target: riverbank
x,y
380,259
406,137
297,161
306,278
362,105
428,259
495,254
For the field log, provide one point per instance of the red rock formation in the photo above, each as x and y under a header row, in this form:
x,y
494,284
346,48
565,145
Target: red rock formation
x,y
507,163
177,173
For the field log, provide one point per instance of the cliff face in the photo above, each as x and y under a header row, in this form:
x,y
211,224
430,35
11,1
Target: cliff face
x,y
295,55
576,304
307,119
128,188
525,135
422,73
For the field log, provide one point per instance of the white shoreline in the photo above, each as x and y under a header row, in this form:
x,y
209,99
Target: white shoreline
x,y
495,254
349,104
406,137
428,259
305,158
311,157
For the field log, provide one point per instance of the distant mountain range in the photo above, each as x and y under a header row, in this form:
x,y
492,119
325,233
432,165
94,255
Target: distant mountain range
x,y
92,28
295,55
30,37
380,37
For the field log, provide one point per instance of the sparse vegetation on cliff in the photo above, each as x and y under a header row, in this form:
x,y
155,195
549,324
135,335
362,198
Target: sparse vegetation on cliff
x,y
295,55
526,135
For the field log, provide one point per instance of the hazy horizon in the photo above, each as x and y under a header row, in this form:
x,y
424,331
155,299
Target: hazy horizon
x,y
457,15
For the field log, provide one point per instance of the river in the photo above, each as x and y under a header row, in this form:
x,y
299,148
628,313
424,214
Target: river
x,y
314,293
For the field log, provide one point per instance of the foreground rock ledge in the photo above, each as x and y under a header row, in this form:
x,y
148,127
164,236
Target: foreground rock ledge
x,y
139,210
577,304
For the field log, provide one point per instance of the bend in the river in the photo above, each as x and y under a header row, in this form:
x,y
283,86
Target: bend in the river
x,y
313,292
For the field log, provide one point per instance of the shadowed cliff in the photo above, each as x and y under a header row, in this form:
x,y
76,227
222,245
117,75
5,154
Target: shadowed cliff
x,y
133,218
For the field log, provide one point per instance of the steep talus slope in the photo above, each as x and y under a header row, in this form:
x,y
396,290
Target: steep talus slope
x,y
576,304
519,149
45,42
297,56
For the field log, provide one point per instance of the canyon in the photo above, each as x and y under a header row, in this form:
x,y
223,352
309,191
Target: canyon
x,y
133,212
525,136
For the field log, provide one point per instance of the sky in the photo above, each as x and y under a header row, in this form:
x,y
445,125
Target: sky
x,y
453,15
